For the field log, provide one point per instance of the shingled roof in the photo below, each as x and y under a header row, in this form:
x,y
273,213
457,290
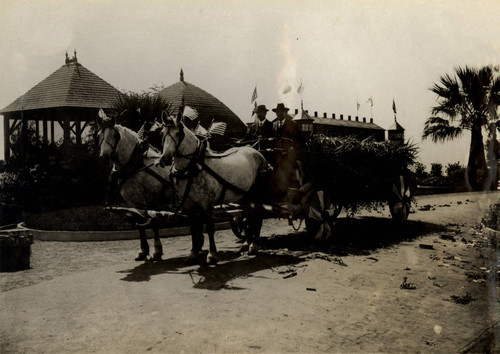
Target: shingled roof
x,y
72,85
208,107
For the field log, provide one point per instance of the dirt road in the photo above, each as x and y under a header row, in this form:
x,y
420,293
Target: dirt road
x,y
428,286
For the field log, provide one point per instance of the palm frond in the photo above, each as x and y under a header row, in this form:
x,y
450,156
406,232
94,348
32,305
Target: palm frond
x,y
440,130
353,170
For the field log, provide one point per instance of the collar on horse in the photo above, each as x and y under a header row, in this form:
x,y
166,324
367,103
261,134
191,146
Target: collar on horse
x,y
134,165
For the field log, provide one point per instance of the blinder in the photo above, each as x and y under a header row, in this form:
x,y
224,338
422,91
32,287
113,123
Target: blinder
x,y
116,136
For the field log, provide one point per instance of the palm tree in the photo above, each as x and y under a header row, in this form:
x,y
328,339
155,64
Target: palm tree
x,y
134,109
466,101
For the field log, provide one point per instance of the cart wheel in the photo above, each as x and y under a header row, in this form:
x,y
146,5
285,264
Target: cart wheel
x,y
320,213
399,204
239,225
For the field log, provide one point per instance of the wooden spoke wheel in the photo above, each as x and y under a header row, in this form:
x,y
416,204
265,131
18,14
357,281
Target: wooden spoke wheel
x,y
239,226
399,203
321,211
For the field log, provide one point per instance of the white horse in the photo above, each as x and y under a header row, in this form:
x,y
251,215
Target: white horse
x,y
203,178
141,182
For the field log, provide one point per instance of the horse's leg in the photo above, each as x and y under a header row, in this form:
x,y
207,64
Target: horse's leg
x,y
196,229
212,257
255,225
158,247
144,252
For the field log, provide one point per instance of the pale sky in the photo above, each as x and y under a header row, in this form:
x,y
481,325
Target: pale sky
x,y
343,51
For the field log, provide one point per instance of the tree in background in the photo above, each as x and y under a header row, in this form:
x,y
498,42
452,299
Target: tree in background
x,y
420,173
436,169
467,100
455,173
133,110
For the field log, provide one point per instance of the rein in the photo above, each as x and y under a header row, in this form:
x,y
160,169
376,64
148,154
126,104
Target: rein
x,y
195,166
133,166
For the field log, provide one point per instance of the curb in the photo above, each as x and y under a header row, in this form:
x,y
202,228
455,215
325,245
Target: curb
x,y
85,236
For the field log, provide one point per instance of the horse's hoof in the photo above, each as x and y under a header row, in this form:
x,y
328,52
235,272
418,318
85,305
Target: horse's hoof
x,y
141,257
192,259
156,257
253,250
212,260
244,248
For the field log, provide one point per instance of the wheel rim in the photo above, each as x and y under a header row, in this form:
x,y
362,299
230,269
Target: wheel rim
x,y
321,213
400,206
238,227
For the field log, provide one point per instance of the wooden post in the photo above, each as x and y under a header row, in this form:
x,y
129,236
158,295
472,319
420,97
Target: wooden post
x,y
66,125
52,130
23,135
6,137
78,132
44,131
37,128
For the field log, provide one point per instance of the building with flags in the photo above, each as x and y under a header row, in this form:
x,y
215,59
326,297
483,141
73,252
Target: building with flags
x,y
209,109
337,125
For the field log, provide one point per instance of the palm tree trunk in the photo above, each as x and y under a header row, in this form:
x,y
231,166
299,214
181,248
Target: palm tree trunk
x,y
477,170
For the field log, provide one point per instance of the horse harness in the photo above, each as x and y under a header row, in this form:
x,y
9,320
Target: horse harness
x,y
195,166
133,166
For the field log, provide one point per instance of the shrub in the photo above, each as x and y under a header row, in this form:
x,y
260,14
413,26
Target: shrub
x,y
490,219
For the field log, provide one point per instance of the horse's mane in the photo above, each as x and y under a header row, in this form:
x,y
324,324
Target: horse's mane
x,y
152,151
128,130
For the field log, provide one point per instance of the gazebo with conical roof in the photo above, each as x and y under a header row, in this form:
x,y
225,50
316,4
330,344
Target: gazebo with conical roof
x,y
209,108
70,97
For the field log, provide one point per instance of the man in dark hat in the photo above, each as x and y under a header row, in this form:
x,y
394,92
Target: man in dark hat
x,y
283,126
261,127
285,154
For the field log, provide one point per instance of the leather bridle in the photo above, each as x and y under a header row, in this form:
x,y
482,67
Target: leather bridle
x,y
117,139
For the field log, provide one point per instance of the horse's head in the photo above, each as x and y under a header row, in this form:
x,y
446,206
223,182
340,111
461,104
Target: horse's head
x,y
173,135
108,135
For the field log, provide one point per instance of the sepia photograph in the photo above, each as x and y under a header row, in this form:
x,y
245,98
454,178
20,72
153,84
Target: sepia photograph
x,y
249,176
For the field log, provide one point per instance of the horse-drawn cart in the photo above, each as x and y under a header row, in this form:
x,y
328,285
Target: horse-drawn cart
x,y
335,173
309,181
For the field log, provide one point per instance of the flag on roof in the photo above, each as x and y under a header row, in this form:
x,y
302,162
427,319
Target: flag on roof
x,y
300,89
286,89
190,113
199,130
254,95
358,105
394,106
370,100
217,128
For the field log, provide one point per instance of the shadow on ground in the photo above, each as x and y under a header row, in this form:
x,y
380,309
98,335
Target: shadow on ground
x,y
354,236
231,265
351,236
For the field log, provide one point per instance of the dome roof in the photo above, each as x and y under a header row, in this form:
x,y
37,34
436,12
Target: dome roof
x,y
208,107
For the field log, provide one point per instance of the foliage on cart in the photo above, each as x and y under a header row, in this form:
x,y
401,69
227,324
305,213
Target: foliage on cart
x,y
356,172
